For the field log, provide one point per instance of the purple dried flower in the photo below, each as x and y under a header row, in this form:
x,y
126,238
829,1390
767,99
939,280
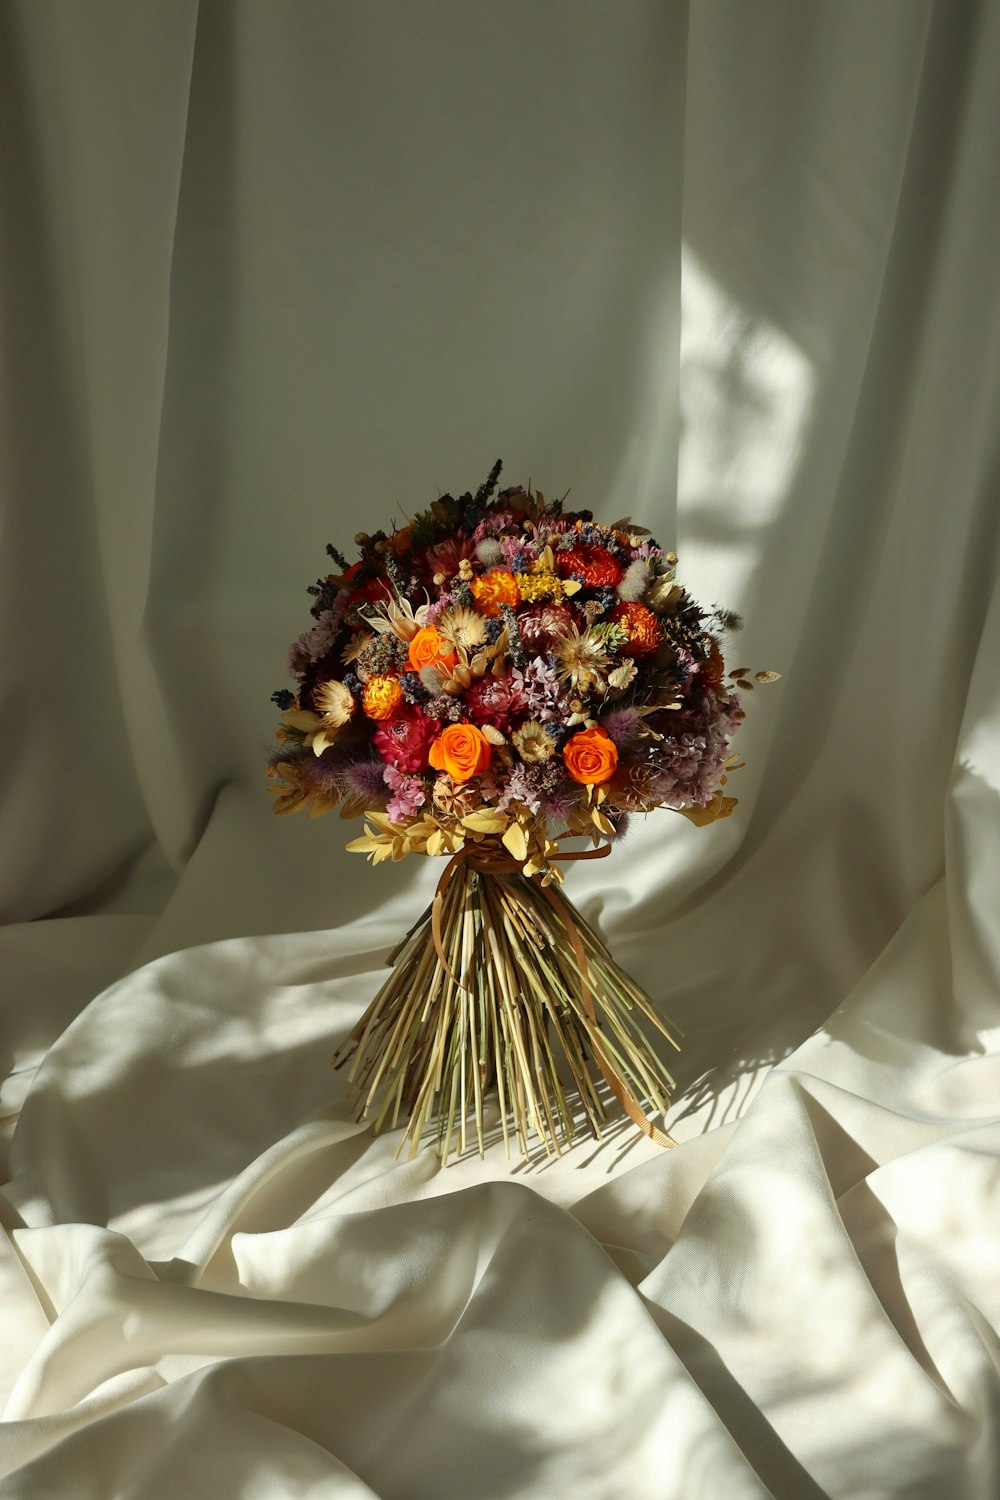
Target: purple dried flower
x,y
543,694
364,778
560,801
623,725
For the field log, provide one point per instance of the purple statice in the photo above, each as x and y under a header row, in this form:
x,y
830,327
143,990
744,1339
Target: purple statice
x,y
519,787
412,688
544,696
683,667
409,794
353,683
623,725
494,626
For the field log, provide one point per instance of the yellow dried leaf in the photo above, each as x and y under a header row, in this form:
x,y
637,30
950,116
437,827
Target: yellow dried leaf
x,y
353,807
515,842
485,820
381,820
571,585
364,845
767,676
321,805
300,718
603,823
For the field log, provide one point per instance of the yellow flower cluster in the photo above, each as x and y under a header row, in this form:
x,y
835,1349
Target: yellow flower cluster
x,y
535,586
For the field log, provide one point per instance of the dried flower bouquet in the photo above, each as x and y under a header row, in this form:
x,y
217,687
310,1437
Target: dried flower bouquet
x,y
493,678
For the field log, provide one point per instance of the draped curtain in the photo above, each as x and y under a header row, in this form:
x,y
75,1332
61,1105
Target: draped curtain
x,y
275,271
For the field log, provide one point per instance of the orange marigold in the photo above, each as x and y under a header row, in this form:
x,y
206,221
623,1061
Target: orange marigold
x,y
644,630
382,697
498,586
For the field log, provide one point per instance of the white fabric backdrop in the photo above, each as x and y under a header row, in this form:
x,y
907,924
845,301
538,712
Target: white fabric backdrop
x,y
268,269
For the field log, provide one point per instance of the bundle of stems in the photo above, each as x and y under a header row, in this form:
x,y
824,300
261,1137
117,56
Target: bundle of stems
x,y
506,979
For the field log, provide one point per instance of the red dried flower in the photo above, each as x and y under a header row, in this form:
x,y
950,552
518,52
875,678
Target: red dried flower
x,y
594,566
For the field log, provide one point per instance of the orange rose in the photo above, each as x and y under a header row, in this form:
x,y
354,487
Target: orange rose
x,y
591,756
462,750
428,649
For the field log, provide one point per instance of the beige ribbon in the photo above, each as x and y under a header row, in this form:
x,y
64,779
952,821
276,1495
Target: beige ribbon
x,y
485,859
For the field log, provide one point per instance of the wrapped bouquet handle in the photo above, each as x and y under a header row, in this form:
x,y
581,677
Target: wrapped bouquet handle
x,y
498,969
492,678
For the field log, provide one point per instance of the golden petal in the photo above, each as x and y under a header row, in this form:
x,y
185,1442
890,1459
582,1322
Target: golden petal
x,y
515,842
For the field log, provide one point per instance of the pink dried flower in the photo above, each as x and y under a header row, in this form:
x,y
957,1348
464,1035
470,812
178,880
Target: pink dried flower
x,y
494,700
539,626
543,694
313,644
409,794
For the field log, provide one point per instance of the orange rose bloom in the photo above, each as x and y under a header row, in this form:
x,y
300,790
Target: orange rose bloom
x,y
428,649
498,586
462,750
591,756
382,697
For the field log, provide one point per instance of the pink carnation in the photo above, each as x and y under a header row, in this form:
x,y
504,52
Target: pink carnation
x,y
404,741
